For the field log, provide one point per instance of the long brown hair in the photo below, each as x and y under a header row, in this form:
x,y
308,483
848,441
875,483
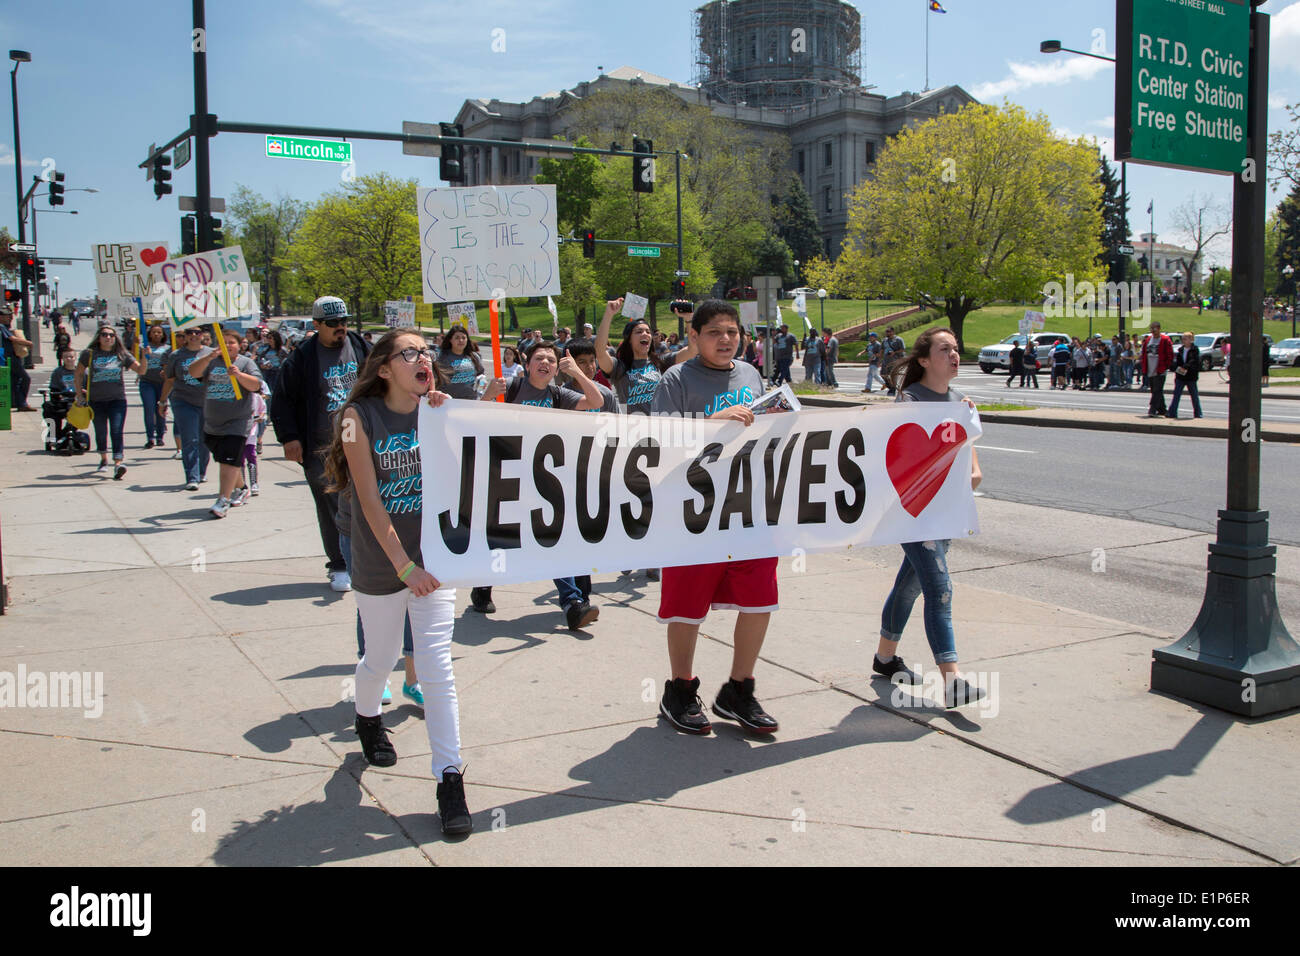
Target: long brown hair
x,y
905,370
625,355
123,355
369,384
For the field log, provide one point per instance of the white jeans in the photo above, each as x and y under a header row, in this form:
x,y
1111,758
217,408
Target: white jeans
x,y
383,617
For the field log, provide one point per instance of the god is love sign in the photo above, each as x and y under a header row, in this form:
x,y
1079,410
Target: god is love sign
x,y
535,493
205,287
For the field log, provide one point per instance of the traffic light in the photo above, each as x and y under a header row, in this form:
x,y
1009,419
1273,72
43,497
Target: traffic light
x,y
1142,261
679,289
29,269
189,244
56,189
40,271
451,163
643,166
12,295
42,289
589,244
218,240
161,175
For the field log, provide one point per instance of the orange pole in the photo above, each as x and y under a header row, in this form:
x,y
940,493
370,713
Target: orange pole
x,y
495,318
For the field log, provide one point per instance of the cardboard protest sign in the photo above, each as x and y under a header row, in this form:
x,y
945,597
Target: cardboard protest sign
x,y
463,314
749,315
535,493
208,286
634,305
480,242
125,270
399,314
1036,320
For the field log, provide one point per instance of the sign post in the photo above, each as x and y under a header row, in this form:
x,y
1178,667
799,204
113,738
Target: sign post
x,y
1192,92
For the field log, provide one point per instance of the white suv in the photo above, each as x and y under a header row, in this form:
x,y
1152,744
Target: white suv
x,y
998,357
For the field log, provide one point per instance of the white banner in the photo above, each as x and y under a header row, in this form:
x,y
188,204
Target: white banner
x,y
205,287
124,270
399,314
513,493
482,242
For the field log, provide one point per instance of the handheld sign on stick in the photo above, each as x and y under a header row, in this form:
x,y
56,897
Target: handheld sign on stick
x,y
495,318
225,355
139,325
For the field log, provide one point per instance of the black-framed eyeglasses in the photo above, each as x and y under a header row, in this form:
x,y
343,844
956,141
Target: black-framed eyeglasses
x,y
413,355
107,332
332,323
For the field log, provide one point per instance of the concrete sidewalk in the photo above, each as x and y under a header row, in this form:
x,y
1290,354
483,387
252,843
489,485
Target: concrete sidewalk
x,y
226,734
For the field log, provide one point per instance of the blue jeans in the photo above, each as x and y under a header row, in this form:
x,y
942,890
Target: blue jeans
x,y
194,454
924,570
155,426
812,372
873,372
110,418
1179,384
408,646
570,593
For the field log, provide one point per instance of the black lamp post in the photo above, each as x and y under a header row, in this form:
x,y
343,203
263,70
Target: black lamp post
x,y
19,57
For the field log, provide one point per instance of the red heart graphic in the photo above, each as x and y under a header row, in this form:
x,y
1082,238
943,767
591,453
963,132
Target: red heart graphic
x,y
151,257
918,463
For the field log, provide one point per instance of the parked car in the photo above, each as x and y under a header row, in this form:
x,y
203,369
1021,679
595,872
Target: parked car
x,y
745,292
1286,352
298,327
1211,346
807,292
998,356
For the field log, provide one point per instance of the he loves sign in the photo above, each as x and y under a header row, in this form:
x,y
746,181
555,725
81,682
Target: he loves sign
x,y
513,493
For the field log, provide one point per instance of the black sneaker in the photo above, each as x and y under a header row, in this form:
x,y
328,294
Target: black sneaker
x,y
456,820
580,614
681,706
652,574
480,599
735,701
374,741
958,693
895,668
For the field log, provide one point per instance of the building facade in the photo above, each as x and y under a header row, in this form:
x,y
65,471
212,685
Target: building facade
x,y
1166,263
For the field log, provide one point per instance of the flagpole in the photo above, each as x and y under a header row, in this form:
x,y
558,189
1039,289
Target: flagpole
x,y
1151,245
927,46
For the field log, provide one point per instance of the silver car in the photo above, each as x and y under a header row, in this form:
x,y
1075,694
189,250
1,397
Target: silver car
x,y
1286,352
999,356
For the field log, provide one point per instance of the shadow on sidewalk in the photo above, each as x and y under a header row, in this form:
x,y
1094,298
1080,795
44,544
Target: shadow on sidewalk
x,y
266,593
333,723
1119,778
475,630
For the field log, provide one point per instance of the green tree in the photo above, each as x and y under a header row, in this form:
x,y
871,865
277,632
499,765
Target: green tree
x,y
772,257
797,222
973,206
1282,232
645,217
1114,221
362,242
265,231
575,180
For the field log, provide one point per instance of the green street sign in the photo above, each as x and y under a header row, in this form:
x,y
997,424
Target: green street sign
x,y
320,150
1181,83
648,252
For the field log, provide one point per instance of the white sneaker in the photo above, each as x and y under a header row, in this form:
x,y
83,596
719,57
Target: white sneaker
x,y
340,581
191,486
221,508
238,497
254,489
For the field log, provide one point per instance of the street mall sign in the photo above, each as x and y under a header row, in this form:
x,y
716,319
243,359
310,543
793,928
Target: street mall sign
x,y
1181,84
321,150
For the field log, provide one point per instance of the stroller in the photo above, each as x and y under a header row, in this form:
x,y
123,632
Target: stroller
x,y
61,438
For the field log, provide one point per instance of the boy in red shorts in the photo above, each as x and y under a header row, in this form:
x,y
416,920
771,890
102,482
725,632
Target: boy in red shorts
x,y
714,385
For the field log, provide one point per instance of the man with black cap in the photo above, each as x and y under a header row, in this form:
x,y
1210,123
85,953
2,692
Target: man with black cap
x,y
315,382
14,346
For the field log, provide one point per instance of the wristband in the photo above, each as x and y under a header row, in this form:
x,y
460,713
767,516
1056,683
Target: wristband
x,y
403,574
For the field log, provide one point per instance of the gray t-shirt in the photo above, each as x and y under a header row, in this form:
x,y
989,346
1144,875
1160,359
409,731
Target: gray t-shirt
x,y
460,373
104,371
692,388
155,357
611,403
521,392
186,387
832,350
783,346
636,385
223,414
916,392
393,439
338,371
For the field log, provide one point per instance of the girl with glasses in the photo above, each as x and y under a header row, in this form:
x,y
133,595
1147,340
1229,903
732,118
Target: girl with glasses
x,y
100,381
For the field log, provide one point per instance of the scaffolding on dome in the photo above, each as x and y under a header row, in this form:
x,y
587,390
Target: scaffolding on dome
x,y
776,53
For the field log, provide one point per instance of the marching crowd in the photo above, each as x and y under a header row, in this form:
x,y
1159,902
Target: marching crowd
x,y
345,408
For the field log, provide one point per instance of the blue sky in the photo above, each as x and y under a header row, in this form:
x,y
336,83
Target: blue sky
x,y
106,80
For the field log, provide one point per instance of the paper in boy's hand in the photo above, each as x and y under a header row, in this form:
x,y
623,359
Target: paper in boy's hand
x,y
634,305
778,400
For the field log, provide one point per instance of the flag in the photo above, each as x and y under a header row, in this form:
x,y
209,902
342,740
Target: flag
x,y
555,317
935,7
800,304
1151,205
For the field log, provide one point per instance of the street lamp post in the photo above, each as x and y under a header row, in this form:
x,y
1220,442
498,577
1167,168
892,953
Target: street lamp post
x,y
20,57
1289,271
821,296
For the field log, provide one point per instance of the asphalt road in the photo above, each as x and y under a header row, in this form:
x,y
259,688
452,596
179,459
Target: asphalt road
x,y
993,388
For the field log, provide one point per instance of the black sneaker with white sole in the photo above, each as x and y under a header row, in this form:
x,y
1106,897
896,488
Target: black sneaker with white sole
x,y
958,693
735,701
480,599
681,706
895,670
374,741
456,819
579,614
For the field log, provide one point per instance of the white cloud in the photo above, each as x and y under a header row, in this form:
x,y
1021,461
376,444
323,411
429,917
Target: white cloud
x,y
1107,122
7,157
1062,68
1284,39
